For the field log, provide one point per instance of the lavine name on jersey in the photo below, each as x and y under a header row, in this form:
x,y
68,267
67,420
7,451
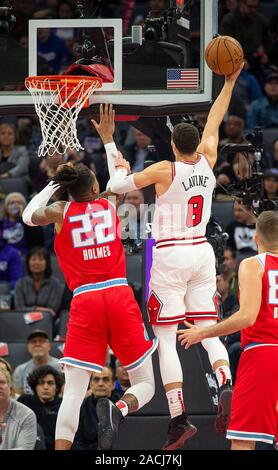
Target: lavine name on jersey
x,y
195,180
96,253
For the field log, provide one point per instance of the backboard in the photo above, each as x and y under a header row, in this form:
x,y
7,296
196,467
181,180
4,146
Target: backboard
x,y
159,69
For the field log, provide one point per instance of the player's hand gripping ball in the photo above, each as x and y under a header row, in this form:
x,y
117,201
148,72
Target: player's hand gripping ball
x,y
224,55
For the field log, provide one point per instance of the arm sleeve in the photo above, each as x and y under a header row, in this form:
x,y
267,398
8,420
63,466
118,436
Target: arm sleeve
x,y
111,153
120,183
40,200
27,435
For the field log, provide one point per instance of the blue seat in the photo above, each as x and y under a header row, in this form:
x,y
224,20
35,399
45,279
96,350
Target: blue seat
x,y
18,185
223,211
14,328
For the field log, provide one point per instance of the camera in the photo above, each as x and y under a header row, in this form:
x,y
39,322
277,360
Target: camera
x,y
7,19
217,238
250,190
154,29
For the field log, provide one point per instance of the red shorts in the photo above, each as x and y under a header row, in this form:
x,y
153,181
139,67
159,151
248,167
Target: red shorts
x,y
109,316
255,399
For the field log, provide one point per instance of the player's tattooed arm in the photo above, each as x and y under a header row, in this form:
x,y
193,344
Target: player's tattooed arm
x,y
131,402
52,214
112,196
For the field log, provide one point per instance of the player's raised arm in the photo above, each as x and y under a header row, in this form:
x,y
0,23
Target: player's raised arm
x,y
250,283
38,213
106,128
210,137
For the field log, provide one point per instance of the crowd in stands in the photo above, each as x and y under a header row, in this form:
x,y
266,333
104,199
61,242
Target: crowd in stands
x,y
32,393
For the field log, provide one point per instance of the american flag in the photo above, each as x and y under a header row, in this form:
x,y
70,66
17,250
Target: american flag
x,y
182,78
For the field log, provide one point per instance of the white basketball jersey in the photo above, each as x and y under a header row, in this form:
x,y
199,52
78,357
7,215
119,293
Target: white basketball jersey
x,y
184,210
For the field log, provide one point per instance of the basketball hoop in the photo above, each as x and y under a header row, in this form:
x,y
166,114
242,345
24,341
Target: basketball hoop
x,y
58,100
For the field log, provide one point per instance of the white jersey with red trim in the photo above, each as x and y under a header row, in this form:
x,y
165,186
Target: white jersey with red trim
x,y
184,210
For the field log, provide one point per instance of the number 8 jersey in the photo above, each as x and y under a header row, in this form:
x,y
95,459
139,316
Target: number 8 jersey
x,y
89,247
184,210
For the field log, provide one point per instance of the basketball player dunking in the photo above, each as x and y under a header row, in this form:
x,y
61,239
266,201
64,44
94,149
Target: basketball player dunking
x,y
183,278
103,310
255,400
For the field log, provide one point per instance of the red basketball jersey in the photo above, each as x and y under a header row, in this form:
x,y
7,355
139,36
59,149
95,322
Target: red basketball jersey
x,y
89,247
265,328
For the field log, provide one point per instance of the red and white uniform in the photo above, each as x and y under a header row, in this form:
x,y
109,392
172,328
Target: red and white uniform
x,y
255,399
103,310
183,277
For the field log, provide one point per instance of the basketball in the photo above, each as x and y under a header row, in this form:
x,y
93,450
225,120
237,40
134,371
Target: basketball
x,y
224,55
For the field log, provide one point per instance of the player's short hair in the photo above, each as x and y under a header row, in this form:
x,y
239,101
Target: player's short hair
x,y
77,178
186,138
267,229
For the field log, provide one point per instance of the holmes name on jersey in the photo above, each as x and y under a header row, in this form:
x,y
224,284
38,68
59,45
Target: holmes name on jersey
x,y
195,180
96,253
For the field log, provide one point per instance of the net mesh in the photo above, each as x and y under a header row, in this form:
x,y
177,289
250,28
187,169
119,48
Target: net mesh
x,y
58,103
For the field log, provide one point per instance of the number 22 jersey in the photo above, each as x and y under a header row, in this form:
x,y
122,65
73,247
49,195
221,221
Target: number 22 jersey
x,y
89,247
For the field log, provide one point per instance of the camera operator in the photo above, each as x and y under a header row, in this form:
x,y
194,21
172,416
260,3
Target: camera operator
x,y
271,184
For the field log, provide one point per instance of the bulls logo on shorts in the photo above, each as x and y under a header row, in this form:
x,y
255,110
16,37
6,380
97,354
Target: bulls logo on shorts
x,y
154,307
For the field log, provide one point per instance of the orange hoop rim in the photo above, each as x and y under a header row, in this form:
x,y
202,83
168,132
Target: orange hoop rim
x,y
50,82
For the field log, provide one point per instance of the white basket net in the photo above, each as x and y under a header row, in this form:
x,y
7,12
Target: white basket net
x,y
58,105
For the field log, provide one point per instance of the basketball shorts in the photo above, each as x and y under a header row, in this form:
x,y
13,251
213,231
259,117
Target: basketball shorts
x,y
254,414
183,284
108,316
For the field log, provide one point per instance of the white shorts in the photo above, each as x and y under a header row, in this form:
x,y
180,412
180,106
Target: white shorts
x,y
183,284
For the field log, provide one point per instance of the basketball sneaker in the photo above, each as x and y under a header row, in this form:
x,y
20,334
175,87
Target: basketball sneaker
x,y
180,430
225,393
109,419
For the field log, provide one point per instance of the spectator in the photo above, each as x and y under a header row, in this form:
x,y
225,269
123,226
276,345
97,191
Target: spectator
x,y
138,153
39,290
264,111
234,127
11,267
230,270
5,365
229,305
122,382
17,422
271,184
275,154
247,89
14,231
39,347
250,28
53,49
232,174
228,301
101,385
14,159
133,207
273,28
241,231
46,384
